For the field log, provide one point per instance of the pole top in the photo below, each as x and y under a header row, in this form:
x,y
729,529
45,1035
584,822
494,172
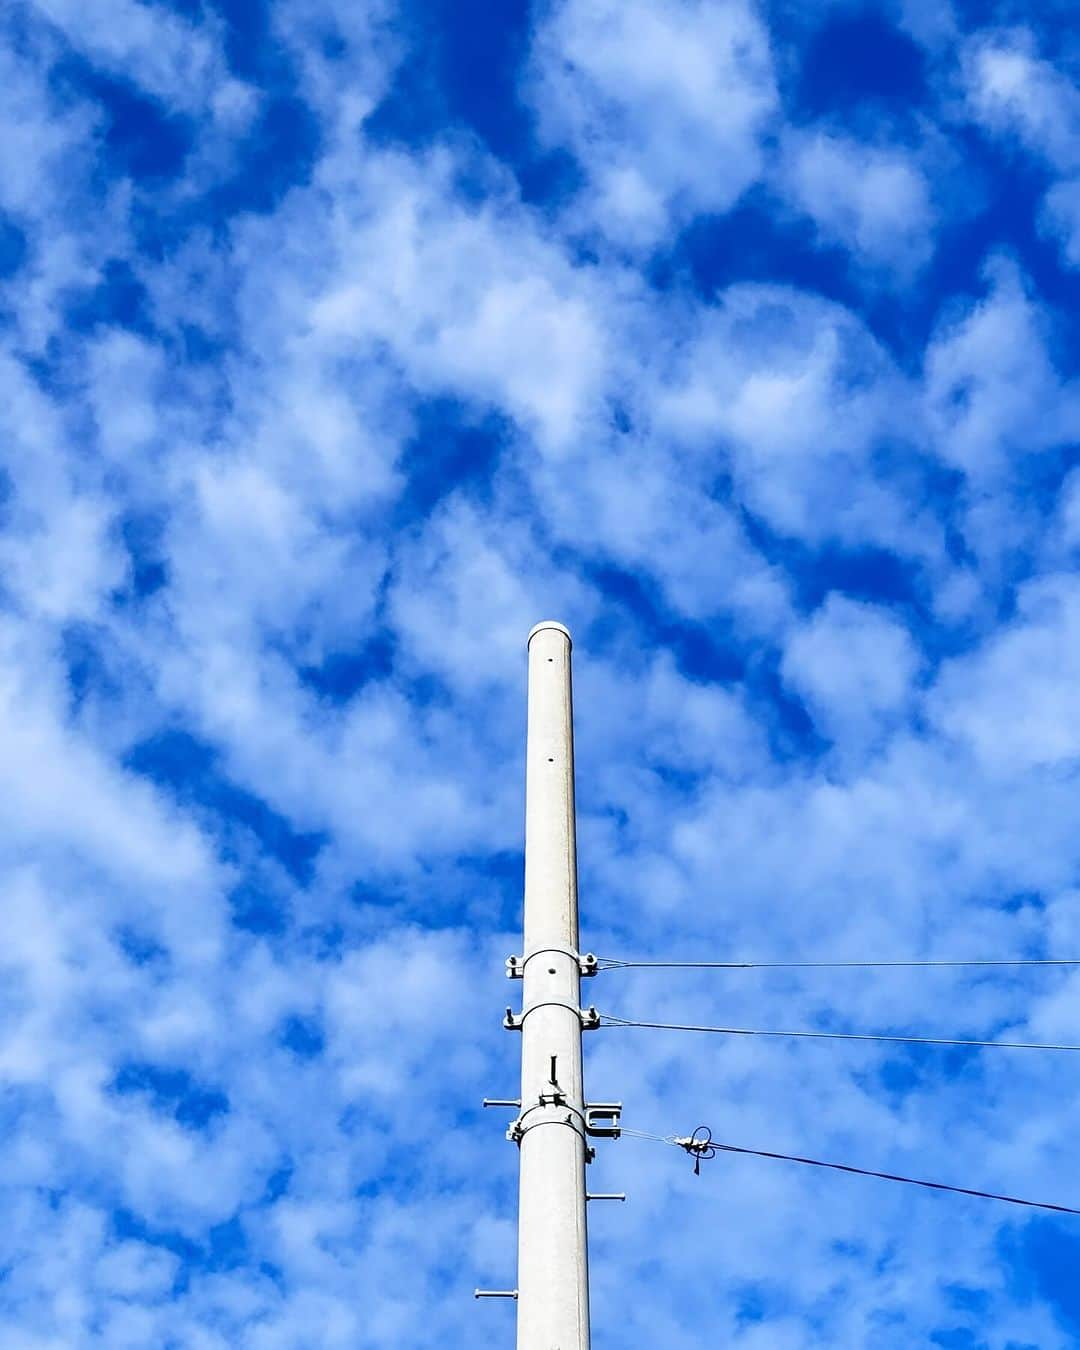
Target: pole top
x,y
550,623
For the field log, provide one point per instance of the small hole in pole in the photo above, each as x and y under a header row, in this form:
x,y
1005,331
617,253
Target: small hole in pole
x,y
551,970
551,759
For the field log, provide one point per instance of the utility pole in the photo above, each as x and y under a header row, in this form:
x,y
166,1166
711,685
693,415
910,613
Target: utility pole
x,y
553,1273
554,1121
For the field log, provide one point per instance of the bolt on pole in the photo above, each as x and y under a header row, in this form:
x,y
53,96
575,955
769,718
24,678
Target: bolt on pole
x,y
553,1278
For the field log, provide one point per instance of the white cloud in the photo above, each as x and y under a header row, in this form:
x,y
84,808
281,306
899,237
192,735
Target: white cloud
x,y
347,56
799,398
58,554
482,305
993,393
1061,218
665,103
463,588
875,201
176,61
1014,701
854,666
1011,91
646,511
42,139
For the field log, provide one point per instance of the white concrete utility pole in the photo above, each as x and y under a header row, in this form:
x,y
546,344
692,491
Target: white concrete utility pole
x,y
554,1121
553,1275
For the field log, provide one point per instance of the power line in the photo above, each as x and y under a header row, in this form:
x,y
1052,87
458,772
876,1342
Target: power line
x,y
609,1019
707,1147
612,963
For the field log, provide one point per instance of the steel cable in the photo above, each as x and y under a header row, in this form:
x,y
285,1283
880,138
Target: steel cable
x,y
610,1020
612,963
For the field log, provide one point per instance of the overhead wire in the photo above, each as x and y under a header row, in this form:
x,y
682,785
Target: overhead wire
x,y
707,1147
609,1019
613,963
703,1147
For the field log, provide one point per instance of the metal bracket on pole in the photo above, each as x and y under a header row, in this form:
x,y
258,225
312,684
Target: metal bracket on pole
x,y
502,1101
590,1018
598,1112
517,1129
621,1195
495,1293
515,965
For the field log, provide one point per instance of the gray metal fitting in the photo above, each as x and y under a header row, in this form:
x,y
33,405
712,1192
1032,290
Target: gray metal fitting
x,y
589,1017
596,1113
515,965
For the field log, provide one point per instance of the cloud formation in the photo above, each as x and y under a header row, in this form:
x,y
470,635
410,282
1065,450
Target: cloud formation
x,y
336,350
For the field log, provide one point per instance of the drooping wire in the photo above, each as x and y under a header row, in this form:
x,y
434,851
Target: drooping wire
x,y
610,1020
702,1146
612,963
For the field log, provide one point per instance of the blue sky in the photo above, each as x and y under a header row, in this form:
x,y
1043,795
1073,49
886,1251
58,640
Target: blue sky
x,y
341,343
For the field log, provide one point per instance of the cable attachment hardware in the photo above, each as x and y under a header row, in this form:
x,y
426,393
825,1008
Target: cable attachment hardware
x,y
590,1018
602,1119
588,964
699,1145
518,1129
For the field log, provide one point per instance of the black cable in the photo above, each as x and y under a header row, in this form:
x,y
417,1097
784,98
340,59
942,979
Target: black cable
x,y
711,1144
608,1019
702,1146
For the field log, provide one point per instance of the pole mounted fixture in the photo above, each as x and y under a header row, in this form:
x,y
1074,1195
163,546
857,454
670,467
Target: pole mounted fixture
x,y
515,965
554,1123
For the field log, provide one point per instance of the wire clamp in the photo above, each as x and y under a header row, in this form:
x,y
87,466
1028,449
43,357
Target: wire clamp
x,y
515,965
590,1018
699,1145
518,1129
